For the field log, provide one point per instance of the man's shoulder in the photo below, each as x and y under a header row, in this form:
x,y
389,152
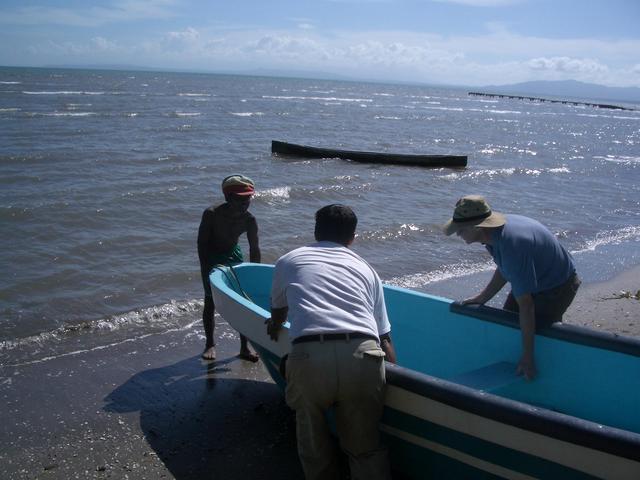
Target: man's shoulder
x,y
291,254
214,209
520,227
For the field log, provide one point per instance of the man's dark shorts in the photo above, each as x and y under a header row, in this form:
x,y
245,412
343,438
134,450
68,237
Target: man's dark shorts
x,y
550,304
231,258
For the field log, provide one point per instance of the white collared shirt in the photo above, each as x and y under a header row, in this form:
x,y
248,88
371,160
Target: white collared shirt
x,y
328,288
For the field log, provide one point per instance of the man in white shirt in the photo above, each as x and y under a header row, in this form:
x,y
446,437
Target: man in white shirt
x,y
340,336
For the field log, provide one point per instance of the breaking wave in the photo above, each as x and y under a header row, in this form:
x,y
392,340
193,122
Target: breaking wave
x,y
271,195
323,99
247,114
62,92
420,279
626,160
505,172
611,237
186,114
100,333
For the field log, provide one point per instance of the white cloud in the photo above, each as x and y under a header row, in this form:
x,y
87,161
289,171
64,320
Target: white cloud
x,y
495,57
567,65
188,35
104,45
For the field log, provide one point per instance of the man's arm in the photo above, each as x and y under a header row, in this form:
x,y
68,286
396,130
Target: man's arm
x,y
494,286
204,234
526,365
274,324
254,244
387,347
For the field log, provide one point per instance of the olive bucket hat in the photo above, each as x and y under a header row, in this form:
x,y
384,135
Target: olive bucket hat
x,y
473,211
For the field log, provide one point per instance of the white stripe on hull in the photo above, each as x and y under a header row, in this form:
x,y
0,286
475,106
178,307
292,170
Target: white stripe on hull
x,y
593,462
456,454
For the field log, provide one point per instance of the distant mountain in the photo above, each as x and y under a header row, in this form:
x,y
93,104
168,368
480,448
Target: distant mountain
x,y
568,89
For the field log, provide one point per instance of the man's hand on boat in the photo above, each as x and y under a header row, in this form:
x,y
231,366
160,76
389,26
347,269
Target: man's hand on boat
x,y
477,300
274,324
527,367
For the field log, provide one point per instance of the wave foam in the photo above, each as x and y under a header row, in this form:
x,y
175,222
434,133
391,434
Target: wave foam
x,y
417,280
247,114
617,117
323,99
65,114
626,160
506,172
403,230
611,237
276,193
61,92
94,333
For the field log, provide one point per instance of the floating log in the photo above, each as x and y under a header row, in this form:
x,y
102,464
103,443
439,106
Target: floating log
x,y
369,157
539,99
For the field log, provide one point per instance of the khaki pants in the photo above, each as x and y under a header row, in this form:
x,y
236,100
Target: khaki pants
x,y
348,375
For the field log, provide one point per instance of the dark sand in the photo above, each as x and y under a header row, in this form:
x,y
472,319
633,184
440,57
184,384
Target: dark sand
x,y
597,306
146,409
150,408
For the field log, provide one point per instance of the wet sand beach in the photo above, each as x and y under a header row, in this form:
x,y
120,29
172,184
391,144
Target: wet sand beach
x,y
149,408
146,409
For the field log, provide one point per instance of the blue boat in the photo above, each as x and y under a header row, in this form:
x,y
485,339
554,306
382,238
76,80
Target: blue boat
x,y
455,407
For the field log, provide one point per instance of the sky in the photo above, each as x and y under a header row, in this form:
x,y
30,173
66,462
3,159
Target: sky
x,y
452,42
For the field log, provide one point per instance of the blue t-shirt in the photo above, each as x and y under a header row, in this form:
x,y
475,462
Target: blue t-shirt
x,y
529,256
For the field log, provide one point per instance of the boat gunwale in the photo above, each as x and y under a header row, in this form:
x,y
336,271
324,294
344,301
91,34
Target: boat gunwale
x,y
559,331
540,420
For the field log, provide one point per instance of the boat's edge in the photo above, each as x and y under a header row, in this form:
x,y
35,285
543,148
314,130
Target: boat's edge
x,y
560,331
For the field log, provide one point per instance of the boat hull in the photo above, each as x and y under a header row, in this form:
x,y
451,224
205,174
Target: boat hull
x,y
437,161
460,425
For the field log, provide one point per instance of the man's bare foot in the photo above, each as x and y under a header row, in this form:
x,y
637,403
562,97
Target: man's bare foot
x,y
248,355
209,353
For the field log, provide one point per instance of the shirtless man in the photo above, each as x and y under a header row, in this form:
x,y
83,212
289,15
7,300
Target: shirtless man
x,y
218,236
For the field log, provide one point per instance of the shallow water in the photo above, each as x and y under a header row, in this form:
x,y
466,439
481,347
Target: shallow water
x,y
104,176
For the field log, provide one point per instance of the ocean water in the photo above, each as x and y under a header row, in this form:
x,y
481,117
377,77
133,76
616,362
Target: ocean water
x,y
104,176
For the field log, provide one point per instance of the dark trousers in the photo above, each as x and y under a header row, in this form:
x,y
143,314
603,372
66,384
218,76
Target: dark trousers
x,y
550,304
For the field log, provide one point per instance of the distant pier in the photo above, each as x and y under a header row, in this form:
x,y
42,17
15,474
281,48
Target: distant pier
x,y
538,99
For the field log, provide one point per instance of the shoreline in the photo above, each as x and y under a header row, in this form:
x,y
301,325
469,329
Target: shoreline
x,y
149,407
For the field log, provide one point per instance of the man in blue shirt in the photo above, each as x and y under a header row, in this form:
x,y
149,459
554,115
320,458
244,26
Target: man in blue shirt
x,y
541,272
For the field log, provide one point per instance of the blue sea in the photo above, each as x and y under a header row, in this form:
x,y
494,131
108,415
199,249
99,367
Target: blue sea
x,y
104,176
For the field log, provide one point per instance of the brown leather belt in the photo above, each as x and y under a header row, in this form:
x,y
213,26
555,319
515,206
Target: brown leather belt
x,y
323,337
